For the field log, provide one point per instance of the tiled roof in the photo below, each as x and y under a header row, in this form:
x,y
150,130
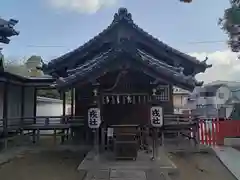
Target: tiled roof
x,y
124,16
93,68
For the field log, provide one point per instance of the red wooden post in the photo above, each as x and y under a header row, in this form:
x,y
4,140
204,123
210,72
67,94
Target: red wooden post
x,y
217,132
201,131
213,131
205,133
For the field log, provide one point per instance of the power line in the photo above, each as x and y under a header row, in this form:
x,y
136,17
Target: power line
x,y
63,46
207,42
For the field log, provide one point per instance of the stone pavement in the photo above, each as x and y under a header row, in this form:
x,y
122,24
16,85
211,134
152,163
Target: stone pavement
x,y
230,157
126,175
105,167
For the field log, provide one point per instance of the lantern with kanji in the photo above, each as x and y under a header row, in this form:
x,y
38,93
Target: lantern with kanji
x,y
156,116
94,118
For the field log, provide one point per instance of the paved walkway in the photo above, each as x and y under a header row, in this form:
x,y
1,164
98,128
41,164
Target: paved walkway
x,y
230,157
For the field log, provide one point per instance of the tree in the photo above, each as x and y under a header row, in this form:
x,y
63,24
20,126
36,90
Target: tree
x,y
26,68
32,65
230,23
15,67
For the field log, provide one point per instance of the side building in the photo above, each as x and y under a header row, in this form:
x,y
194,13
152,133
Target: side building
x,y
216,99
180,99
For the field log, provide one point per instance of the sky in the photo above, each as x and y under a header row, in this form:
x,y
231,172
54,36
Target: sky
x,y
50,28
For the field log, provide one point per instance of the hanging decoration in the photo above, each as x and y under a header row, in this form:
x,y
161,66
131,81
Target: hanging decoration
x,y
107,100
118,100
125,99
129,100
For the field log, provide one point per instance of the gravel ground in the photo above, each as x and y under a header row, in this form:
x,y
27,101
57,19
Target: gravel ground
x,y
62,165
45,165
200,166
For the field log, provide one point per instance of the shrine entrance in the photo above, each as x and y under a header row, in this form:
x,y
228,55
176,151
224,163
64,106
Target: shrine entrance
x,y
124,116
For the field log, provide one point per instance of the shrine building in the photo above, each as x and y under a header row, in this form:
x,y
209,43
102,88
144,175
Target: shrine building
x,y
124,71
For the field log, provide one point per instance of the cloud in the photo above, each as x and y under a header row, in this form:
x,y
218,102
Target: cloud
x,y
82,6
226,66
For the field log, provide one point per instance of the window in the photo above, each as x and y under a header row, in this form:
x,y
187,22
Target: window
x,y
206,94
221,95
163,93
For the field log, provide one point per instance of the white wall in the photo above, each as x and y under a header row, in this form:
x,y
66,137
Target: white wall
x,y
50,108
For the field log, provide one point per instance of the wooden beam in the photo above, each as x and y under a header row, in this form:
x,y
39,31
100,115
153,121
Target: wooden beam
x,y
63,94
35,103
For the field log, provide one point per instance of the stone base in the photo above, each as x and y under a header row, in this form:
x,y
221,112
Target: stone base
x,y
232,141
106,165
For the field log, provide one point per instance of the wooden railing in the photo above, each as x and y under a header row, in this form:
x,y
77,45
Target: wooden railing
x,y
22,122
176,119
213,131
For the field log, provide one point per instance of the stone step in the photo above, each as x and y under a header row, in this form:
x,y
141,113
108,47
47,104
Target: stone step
x,y
114,174
155,174
97,175
127,175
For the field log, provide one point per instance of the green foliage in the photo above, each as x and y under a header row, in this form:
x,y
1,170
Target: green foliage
x,y
230,23
14,67
26,68
50,93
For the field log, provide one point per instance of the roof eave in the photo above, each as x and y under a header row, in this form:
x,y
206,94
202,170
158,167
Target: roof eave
x,y
82,73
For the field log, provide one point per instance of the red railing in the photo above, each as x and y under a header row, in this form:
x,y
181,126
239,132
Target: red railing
x,y
213,131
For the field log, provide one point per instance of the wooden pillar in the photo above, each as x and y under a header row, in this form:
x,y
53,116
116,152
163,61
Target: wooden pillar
x,y
97,130
63,95
72,112
22,105
5,113
35,104
72,102
154,102
34,112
